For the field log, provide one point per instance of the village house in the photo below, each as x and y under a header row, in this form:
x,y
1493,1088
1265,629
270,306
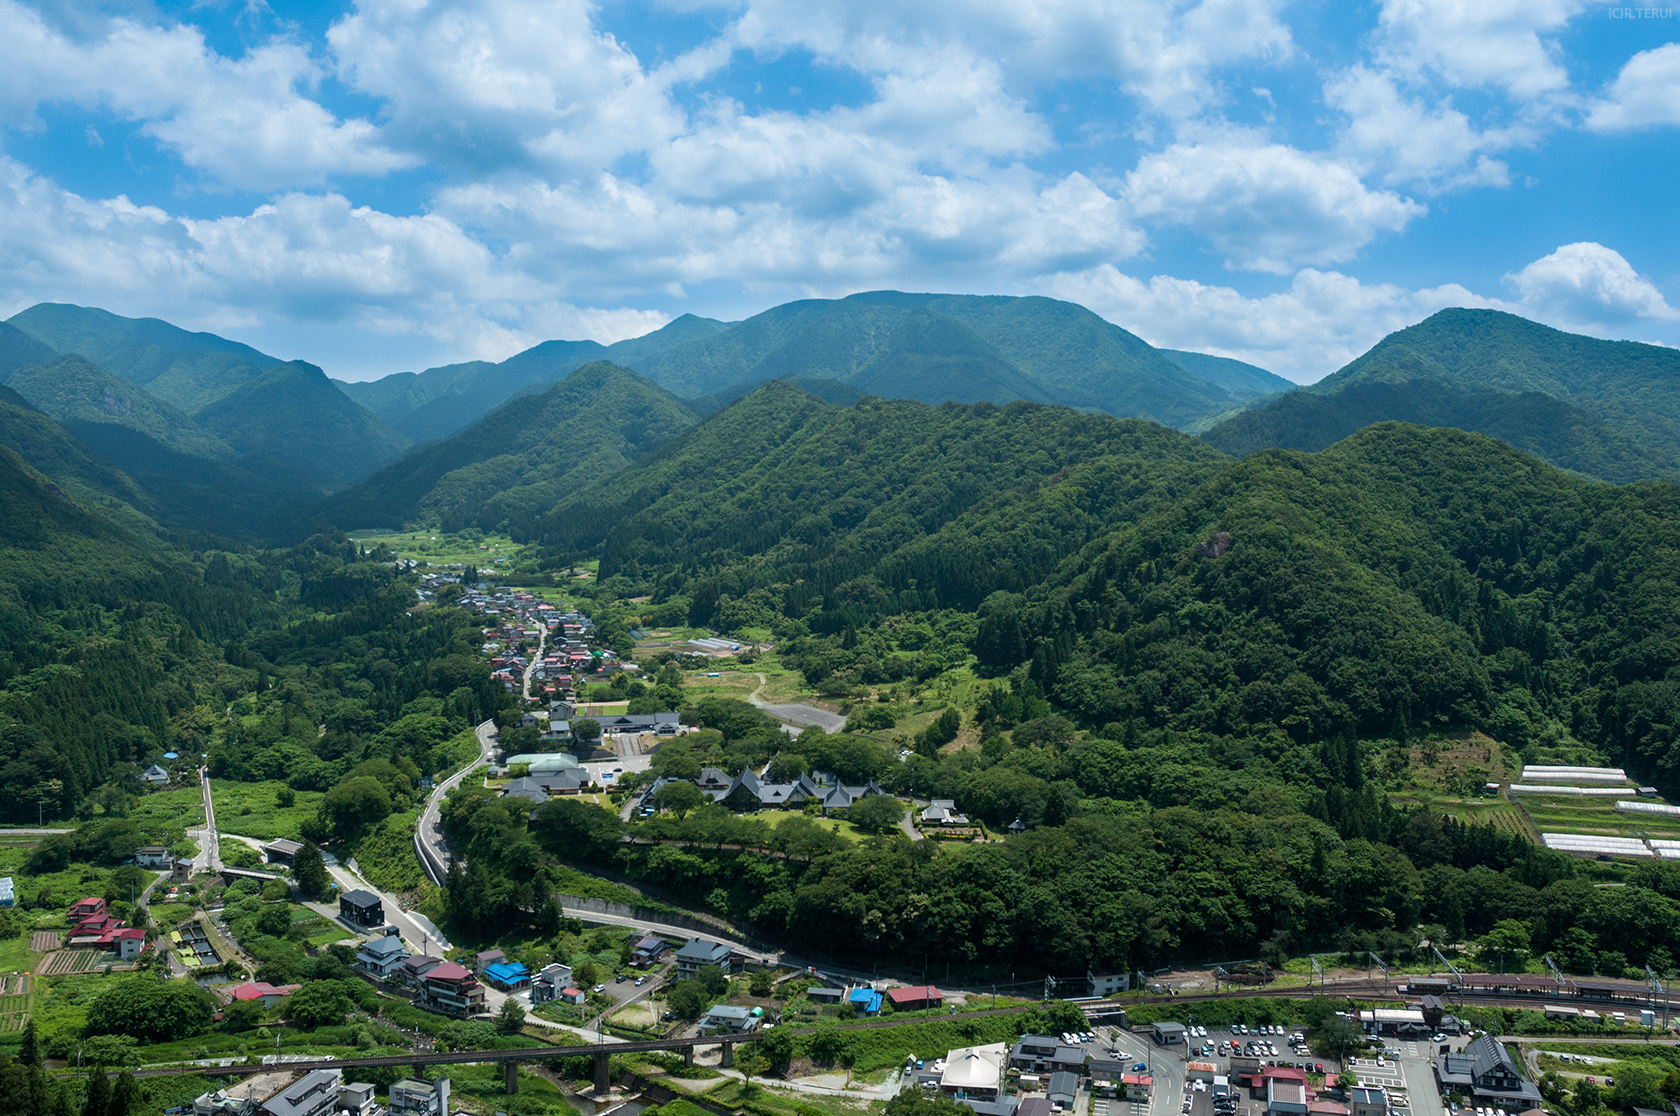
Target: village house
x,y
263,992
697,953
410,1097
453,990
380,957
154,856
547,985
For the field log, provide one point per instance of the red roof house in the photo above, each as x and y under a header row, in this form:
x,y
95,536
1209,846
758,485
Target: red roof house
x,y
916,997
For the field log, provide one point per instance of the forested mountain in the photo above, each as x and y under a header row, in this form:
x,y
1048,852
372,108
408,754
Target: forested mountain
x,y
19,350
1606,409
438,402
932,348
1236,376
53,451
1405,576
293,418
72,389
186,370
510,468
782,501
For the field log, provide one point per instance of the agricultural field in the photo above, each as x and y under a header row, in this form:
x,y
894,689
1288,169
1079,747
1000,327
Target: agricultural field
x,y
440,548
1565,814
317,930
253,809
67,961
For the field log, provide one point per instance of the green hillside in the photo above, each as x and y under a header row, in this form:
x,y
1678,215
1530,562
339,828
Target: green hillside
x,y
517,463
19,350
896,506
829,391
438,402
434,404
928,347
1606,409
54,552
293,418
239,499
1082,360
1240,378
49,448
74,389
184,369
1405,576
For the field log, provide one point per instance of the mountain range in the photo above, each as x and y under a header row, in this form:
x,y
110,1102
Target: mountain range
x,y
933,348
1604,409
193,431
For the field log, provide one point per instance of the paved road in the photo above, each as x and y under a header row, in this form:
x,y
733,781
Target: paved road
x,y
209,858
798,713
32,832
663,929
1419,1077
429,840
530,667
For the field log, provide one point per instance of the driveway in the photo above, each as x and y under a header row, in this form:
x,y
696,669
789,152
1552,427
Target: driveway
x,y
798,713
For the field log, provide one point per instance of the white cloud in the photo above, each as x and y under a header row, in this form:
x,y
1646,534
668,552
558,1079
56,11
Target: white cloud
x,y
522,82
877,221
1645,94
1586,286
1167,53
1480,43
1405,143
303,258
1321,322
243,122
1265,206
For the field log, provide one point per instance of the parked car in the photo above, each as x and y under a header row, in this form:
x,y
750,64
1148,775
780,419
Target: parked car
x,y
640,981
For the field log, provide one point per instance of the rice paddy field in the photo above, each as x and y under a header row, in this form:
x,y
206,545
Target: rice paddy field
x,y
440,548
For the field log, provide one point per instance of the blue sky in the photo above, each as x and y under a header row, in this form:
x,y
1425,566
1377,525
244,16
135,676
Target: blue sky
x,y
385,186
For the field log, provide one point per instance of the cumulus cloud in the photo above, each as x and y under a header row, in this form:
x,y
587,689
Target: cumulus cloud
x,y
243,122
303,257
1500,44
1265,206
1645,94
1166,53
1406,143
1321,322
1589,286
1325,318
486,86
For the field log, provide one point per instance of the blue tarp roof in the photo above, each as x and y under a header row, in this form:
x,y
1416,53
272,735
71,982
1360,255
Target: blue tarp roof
x,y
506,971
865,998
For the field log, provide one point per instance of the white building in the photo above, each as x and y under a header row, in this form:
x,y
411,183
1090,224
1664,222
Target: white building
x,y
975,1072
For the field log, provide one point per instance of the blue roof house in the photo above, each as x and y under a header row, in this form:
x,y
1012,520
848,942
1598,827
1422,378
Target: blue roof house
x,y
509,976
866,1000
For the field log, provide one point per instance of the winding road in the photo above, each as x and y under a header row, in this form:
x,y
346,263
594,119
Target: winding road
x,y
429,840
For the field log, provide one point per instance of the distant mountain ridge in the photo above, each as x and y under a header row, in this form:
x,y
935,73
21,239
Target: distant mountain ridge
x,y
928,347
516,463
1604,409
160,398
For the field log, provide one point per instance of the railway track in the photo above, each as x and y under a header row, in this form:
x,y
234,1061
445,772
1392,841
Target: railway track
x,y
1374,989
